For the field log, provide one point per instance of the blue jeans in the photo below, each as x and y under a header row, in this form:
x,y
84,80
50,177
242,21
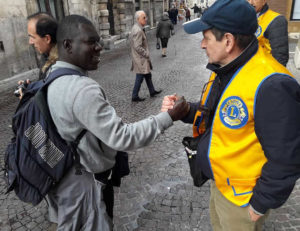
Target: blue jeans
x,y
138,82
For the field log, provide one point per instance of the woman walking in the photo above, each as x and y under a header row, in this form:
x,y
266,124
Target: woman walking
x,y
163,30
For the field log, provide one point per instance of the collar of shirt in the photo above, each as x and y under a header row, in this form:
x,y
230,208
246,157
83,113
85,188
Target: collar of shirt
x,y
62,64
263,10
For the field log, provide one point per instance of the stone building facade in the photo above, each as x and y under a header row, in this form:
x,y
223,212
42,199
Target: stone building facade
x,y
15,55
113,20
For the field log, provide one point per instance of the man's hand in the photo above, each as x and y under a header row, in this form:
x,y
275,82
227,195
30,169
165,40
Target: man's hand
x,y
20,89
180,109
254,217
168,102
27,81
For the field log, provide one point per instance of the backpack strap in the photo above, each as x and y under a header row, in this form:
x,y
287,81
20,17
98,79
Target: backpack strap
x,y
41,95
58,73
77,140
42,101
74,145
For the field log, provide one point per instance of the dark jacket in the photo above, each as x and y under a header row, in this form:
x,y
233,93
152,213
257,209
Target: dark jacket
x,y
277,126
277,34
196,8
187,13
164,27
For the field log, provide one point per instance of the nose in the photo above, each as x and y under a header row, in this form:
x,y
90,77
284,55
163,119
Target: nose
x,y
30,41
99,46
203,46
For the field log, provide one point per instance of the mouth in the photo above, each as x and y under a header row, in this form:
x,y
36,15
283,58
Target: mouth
x,y
96,58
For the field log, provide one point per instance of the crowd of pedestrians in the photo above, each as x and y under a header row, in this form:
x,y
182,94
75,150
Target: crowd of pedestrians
x,y
247,112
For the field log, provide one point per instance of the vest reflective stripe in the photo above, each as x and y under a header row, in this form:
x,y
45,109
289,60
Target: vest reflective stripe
x,y
235,154
264,21
199,125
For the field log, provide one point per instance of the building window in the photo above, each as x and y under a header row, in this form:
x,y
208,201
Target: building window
x,y
295,14
52,7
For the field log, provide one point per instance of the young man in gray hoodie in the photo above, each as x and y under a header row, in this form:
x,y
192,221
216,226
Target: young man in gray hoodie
x,y
77,102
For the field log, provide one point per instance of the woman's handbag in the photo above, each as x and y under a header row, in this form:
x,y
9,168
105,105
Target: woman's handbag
x,y
157,44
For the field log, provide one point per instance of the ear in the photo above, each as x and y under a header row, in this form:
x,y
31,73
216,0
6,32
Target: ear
x,y
67,44
47,38
229,42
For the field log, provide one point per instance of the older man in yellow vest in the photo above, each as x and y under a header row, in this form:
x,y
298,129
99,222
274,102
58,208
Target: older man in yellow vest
x,y
272,33
246,125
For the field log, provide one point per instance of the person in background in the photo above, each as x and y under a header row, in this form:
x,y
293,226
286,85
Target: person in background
x,y
141,63
246,124
173,13
76,103
41,30
196,11
176,15
187,14
272,32
163,31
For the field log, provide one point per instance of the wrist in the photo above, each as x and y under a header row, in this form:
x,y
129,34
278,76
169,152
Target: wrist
x,y
255,211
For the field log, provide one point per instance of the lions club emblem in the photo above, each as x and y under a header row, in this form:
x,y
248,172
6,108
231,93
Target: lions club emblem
x,y
233,112
258,31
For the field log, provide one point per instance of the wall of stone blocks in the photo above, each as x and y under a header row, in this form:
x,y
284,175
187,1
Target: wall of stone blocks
x,y
95,10
15,53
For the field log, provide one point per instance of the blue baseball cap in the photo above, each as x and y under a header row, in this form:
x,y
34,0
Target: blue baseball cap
x,y
233,16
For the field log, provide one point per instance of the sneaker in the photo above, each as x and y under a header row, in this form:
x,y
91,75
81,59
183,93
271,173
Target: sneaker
x,y
137,99
155,93
163,55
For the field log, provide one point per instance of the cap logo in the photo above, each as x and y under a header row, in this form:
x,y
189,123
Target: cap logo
x,y
234,112
258,31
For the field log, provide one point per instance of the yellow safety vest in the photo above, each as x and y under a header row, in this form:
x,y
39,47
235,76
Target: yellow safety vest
x,y
264,21
235,154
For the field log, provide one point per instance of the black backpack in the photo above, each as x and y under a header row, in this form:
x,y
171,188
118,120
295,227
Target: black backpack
x,y
37,157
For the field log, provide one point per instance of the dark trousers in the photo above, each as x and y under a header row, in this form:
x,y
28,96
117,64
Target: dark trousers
x,y
108,198
138,82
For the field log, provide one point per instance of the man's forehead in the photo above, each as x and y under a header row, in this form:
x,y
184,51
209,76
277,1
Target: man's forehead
x,y
87,31
32,23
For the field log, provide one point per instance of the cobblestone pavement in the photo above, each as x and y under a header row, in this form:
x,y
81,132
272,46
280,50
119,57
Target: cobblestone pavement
x,y
158,194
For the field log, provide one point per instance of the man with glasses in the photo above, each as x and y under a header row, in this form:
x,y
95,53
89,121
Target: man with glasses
x,y
141,63
246,125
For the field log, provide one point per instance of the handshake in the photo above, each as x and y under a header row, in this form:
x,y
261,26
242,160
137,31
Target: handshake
x,y
176,106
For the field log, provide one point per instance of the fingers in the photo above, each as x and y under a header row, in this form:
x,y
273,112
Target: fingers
x,y
27,81
21,93
168,102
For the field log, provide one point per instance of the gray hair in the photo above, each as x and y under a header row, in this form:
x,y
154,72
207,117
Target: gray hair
x,y
138,14
165,14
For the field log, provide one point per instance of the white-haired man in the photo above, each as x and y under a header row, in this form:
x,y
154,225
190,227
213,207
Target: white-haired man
x,y
141,63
